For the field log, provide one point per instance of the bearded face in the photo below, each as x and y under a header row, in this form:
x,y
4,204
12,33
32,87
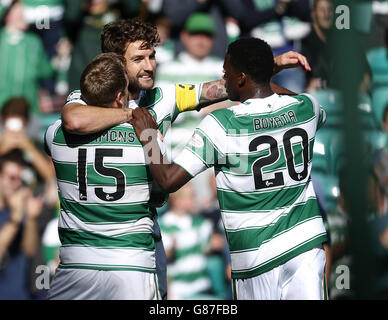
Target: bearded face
x,y
141,66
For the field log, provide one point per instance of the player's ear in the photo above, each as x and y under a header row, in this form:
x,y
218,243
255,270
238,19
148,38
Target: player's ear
x,y
242,78
118,100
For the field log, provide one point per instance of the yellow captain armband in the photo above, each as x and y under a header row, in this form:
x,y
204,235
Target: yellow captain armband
x,y
185,97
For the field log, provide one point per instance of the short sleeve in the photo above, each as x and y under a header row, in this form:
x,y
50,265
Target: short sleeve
x,y
49,136
167,101
205,148
318,110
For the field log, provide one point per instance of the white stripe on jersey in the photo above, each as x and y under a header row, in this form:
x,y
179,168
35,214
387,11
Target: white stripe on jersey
x,y
103,256
69,221
133,193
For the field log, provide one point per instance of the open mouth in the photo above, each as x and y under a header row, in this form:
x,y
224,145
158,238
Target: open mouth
x,y
146,77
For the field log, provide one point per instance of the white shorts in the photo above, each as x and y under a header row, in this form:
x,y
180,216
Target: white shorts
x,y
84,284
301,278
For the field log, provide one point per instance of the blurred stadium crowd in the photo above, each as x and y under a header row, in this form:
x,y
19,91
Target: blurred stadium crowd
x,y
46,44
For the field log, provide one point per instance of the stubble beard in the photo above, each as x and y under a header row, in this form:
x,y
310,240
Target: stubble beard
x,y
134,86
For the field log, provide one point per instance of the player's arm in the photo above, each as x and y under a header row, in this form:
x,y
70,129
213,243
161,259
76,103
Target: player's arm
x,y
80,119
214,91
169,176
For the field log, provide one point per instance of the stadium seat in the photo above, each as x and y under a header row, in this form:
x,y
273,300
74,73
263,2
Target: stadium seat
x,y
330,187
378,61
379,101
329,99
368,117
321,152
376,139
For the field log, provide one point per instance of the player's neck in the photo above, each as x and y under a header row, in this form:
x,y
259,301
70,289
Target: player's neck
x,y
134,95
258,92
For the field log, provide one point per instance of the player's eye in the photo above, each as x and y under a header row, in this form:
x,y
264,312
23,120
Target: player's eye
x,y
137,59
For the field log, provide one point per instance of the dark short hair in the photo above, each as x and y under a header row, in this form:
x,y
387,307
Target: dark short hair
x,y
315,3
103,79
252,56
16,106
116,35
14,156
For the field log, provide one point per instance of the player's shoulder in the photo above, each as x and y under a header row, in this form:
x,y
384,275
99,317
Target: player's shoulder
x,y
153,96
216,124
55,126
75,97
222,113
305,97
50,134
303,102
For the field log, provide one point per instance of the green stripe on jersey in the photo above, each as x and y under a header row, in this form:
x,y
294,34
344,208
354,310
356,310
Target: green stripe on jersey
x,y
182,253
107,213
282,258
189,277
143,241
267,200
254,237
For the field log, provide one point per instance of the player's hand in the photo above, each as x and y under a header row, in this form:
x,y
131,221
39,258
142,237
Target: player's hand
x,y
144,125
290,59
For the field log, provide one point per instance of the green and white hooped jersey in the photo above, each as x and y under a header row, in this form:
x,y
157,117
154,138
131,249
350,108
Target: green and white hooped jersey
x,y
188,236
104,187
261,151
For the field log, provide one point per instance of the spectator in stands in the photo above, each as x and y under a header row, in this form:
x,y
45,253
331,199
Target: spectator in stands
x,y
14,118
45,19
23,59
83,21
318,45
179,10
166,48
315,44
38,171
379,224
195,63
186,238
282,24
19,238
376,231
